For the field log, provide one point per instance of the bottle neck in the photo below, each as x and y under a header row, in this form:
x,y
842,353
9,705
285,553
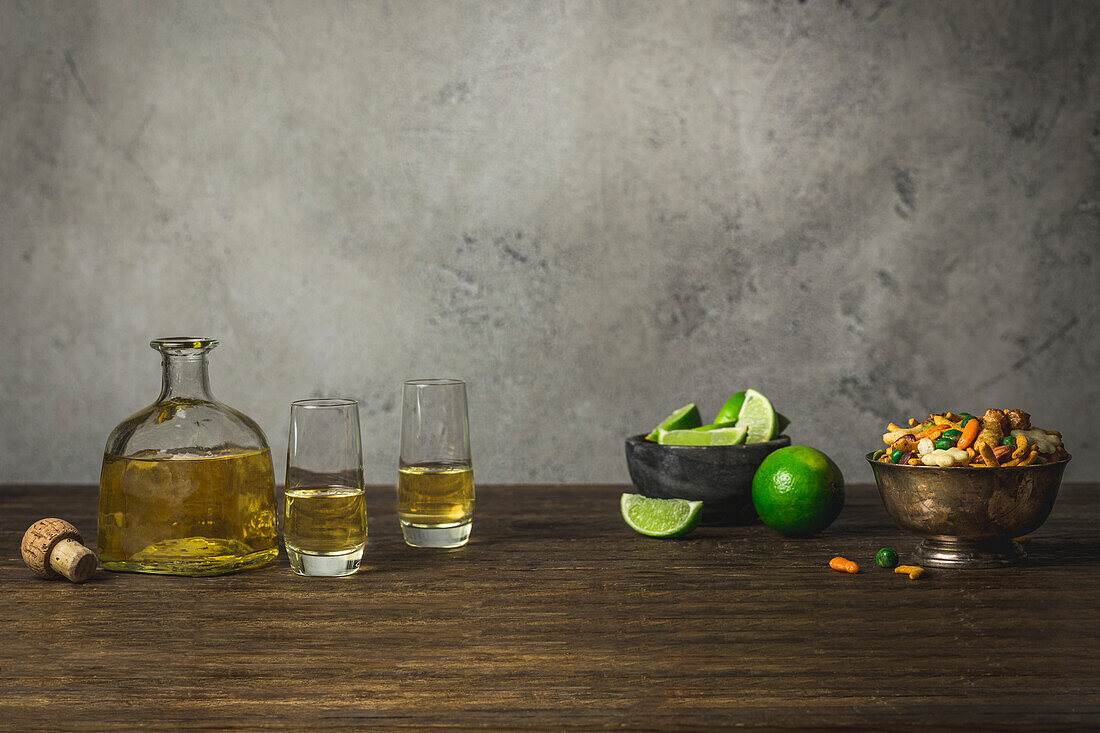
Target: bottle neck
x,y
185,377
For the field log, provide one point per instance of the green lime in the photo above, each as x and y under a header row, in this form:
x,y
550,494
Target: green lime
x,y
716,426
731,412
798,491
757,416
660,517
719,436
685,418
731,409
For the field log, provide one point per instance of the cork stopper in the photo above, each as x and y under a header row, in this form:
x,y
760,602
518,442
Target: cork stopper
x,y
53,548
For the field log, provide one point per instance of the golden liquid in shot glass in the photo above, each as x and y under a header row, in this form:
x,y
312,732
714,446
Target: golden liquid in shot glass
x,y
325,520
435,495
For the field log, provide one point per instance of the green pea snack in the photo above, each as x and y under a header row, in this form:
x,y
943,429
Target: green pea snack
x,y
886,558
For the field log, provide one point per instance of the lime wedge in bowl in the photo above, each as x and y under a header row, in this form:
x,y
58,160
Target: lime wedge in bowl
x,y
757,416
731,409
660,517
686,418
718,436
716,426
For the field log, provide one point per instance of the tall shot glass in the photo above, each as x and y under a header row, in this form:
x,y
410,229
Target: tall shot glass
x,y
435,478
324,513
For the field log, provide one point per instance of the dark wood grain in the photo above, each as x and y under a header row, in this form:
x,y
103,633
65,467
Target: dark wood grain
x,y
556,615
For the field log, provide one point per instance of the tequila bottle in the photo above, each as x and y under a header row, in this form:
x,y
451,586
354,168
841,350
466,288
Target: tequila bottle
x,y
187,486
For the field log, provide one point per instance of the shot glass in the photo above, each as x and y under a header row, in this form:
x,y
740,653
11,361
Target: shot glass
x,y
324,512
435,477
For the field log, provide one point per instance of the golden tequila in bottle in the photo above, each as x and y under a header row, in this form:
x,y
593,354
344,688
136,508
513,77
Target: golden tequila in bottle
x,y
187,513
325,520
187,486
435,495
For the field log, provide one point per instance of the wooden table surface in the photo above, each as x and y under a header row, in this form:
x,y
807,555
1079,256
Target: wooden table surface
x,y
556,615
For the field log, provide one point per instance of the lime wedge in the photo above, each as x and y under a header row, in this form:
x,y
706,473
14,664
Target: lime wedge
x,y
757,416
685,418
660,517
731,409
718,436
716,426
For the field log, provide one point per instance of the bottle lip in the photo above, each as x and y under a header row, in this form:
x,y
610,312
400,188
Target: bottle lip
x,y
183,344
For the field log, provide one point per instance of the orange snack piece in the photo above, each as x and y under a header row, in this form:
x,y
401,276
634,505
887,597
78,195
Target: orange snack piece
x,y
843,565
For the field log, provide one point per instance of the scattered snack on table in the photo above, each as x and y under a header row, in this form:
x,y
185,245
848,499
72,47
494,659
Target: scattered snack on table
x,y
886,558
843,565
913,571
998,438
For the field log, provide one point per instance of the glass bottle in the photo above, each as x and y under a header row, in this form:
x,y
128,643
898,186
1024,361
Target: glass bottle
x,y
187,486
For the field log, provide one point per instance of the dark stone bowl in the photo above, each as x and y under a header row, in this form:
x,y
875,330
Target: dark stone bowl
x,y
718,475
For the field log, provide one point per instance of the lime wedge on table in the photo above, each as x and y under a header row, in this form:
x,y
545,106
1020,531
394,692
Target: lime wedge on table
x,y
685,418
731,409
718,436
660,517
757,416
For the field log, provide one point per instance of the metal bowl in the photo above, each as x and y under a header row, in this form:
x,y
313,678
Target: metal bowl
x,y
968,517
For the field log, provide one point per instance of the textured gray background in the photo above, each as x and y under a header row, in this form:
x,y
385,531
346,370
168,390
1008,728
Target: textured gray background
x,y
593,212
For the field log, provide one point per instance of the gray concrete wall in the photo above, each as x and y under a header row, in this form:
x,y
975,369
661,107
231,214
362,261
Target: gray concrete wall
x,y
593,212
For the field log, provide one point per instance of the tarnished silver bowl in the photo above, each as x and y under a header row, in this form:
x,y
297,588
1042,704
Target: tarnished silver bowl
x,y
968,517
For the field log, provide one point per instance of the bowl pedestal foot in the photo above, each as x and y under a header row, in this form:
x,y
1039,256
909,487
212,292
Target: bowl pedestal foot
x,y
944,552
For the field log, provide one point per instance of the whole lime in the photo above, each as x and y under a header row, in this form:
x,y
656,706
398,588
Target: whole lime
x,y
798,491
